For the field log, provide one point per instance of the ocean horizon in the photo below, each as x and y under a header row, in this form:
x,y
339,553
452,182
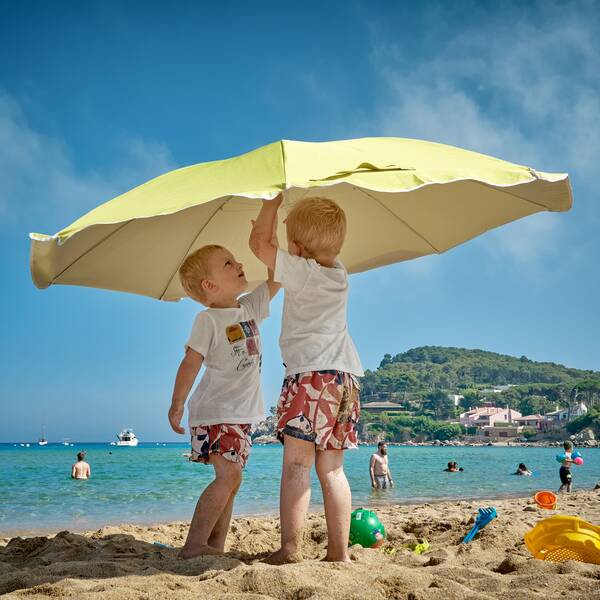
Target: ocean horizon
x,y
155,483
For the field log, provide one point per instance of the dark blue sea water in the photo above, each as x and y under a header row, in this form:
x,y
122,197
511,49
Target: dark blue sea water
x,y
155,483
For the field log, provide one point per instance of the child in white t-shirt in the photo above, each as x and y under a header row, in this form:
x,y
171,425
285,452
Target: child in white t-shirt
x,y
225,338
318,408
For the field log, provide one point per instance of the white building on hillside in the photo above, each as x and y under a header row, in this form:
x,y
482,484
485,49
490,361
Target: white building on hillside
x,y
486,416
530,421
565,415
456,398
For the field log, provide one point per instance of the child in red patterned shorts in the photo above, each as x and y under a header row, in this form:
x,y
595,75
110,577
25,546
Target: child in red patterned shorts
x,y
228,399
319,406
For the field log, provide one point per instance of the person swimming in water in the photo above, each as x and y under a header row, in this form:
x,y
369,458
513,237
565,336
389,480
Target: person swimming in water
x,y
523,470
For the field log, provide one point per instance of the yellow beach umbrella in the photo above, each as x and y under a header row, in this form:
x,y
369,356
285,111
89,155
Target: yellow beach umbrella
x,y
403,199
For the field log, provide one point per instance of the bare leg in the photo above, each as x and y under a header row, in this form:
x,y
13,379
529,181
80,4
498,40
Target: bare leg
x,y
221,528
338,502
210,507
298,458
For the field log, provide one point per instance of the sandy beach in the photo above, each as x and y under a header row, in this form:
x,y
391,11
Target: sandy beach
x,y
123,562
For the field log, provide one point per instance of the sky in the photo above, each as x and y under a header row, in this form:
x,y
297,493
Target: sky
x,y
98,97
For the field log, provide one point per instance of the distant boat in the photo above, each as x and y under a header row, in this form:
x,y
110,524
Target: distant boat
x,y
43,441
126,438
67,442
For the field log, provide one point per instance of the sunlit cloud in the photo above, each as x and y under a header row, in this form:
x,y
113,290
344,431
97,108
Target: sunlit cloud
x,y
39,182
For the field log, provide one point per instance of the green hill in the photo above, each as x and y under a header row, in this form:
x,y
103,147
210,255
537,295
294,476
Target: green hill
x,y
430,367
416,377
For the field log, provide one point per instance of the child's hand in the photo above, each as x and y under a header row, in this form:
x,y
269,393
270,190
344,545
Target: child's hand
x,y
175,416
274,239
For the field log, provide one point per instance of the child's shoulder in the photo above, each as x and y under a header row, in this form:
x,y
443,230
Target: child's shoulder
x,y
203,318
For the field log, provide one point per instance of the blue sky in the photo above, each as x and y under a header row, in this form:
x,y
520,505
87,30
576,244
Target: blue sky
x,y
98,97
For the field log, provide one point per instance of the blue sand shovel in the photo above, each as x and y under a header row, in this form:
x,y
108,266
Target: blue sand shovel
x,y
485,516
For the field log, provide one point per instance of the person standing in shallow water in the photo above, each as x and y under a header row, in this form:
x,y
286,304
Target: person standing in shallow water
x,y
379,468
81,469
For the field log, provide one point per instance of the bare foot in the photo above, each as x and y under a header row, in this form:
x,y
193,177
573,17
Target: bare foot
x,y
345,559
200,550
283,557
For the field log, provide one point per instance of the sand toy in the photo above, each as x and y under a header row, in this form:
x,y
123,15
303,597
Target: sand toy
x,y
366,529
545,499
485,516
563,538
418,547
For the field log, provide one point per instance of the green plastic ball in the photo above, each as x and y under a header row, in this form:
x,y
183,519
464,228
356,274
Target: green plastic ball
x,y
366,529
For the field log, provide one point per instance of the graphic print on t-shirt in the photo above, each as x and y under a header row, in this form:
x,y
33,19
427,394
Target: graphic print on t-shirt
x,y
251,346
247,333
234,333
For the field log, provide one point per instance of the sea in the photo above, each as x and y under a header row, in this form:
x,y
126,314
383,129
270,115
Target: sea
x,y
155,483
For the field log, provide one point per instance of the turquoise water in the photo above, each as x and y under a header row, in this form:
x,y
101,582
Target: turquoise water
x,y
153,483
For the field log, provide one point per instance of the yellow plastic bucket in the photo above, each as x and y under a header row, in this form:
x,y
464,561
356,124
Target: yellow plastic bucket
x,y
563,538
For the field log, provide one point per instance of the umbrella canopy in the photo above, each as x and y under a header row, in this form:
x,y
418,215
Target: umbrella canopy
x,y
403,199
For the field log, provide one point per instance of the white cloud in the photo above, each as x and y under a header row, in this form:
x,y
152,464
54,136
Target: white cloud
x,y
526,242
40,184
523,89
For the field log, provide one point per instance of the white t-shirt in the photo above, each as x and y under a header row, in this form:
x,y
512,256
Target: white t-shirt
x,y
229,341
314,332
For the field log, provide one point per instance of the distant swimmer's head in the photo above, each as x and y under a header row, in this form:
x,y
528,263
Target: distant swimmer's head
x,y
211,274
522,467
80,455
316,228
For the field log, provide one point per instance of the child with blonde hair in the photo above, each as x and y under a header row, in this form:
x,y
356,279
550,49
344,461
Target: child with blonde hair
x,y
225,339
318,408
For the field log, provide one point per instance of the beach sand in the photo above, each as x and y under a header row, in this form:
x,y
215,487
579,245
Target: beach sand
x,y
122,562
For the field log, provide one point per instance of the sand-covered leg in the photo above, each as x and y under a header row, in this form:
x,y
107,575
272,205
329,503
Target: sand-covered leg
x,y
210,507
337,499
298,458
219,533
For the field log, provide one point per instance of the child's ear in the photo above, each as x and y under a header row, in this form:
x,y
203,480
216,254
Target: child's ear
x,y
302,250
207,285
293,248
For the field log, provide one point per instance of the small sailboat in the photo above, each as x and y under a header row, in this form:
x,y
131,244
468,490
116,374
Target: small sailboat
x,y
43,441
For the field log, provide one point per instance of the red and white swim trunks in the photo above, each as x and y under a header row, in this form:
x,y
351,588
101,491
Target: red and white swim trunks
x,y
321,407
232,442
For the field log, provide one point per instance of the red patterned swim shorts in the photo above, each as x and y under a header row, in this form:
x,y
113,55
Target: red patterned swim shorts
x,y
322,407
232,442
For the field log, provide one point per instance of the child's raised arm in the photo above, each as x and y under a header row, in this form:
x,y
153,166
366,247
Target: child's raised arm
x,y
261,238
186,375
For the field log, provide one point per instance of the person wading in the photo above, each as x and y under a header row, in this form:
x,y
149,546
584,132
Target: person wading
x,y
379,469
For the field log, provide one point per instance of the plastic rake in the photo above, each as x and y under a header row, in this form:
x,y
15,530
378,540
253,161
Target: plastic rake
x,y
485,516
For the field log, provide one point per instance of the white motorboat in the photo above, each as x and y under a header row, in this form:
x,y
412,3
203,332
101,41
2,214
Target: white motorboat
x,y
127,438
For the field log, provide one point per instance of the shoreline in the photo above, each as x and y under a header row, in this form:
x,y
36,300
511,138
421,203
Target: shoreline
x,y
315,509
117,562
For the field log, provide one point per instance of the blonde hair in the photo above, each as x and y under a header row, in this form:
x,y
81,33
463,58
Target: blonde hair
x,y
195,269
319,224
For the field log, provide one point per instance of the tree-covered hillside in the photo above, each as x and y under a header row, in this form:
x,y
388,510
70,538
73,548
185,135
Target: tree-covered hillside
x,y
435,367
421,379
